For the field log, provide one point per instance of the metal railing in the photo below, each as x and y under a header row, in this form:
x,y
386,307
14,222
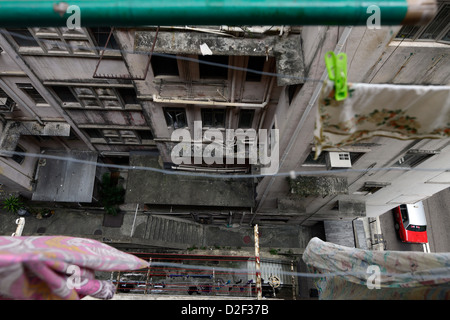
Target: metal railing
x,y
178,274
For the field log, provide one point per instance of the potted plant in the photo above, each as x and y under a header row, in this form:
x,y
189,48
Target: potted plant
x,y
14,205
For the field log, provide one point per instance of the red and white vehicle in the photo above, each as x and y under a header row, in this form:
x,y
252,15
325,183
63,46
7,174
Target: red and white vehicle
x,y
410,222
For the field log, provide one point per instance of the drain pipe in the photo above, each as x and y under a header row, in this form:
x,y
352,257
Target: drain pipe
x,y
159,99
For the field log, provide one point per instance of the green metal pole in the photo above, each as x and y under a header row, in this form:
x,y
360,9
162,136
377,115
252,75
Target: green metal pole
x,y
121,13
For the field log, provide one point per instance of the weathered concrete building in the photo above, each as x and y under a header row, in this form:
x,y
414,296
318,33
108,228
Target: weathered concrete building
x,y
70,94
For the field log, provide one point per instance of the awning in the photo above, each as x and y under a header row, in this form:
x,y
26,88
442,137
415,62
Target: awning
x,y
66,176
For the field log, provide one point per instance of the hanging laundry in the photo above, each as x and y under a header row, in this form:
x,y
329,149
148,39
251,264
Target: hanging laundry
x,y
395,111
344,273
59,267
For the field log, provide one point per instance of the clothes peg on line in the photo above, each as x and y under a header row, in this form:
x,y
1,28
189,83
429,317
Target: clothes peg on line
x,y
337,72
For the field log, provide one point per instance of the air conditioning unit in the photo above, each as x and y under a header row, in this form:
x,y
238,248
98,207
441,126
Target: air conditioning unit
x,y
339,160
6,104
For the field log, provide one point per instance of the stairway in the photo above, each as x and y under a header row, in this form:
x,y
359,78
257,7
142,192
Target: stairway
x,y
174,232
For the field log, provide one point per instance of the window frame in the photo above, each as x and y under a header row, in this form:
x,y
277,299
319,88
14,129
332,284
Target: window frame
x,y
16,157
9,102
68,40
167,110
214,111
421,155
420,31
223,69
252,118
162,75
370,187
252,76
116,94
26,87
119,136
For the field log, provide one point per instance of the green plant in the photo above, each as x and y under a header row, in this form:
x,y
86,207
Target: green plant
x,y
111,194
274,251
12,204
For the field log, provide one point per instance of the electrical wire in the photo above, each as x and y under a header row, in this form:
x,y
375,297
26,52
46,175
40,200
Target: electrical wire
x,y
209,175
387,279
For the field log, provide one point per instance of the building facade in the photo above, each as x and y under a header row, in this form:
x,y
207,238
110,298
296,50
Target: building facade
x,y
120,94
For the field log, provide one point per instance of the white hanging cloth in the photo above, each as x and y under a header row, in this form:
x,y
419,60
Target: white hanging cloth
x,y
395,111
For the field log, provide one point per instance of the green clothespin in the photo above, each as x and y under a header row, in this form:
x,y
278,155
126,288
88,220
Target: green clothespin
x,y
337,72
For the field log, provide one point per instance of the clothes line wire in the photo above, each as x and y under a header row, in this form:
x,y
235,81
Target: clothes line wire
x,y
209,175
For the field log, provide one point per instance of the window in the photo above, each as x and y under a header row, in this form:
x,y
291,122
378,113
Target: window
x,y
175,117
321,161
100,35
404,212
292,90
246,118
256,64
213,67
439,23
120,136
436,30
23,37
213,118
19,158
54,41
128,95
166,65
371,188
98,97
6,103
65,94
93,133
31,92
413,158
145,134
72,136
354,156
416,228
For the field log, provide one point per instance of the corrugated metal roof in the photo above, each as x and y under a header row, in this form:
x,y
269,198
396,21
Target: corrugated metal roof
x,y
64,180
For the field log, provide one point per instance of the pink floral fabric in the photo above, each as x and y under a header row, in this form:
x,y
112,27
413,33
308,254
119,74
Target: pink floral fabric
x,y
59,267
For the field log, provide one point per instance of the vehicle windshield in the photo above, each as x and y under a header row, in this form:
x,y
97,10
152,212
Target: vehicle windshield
x,y
416,228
